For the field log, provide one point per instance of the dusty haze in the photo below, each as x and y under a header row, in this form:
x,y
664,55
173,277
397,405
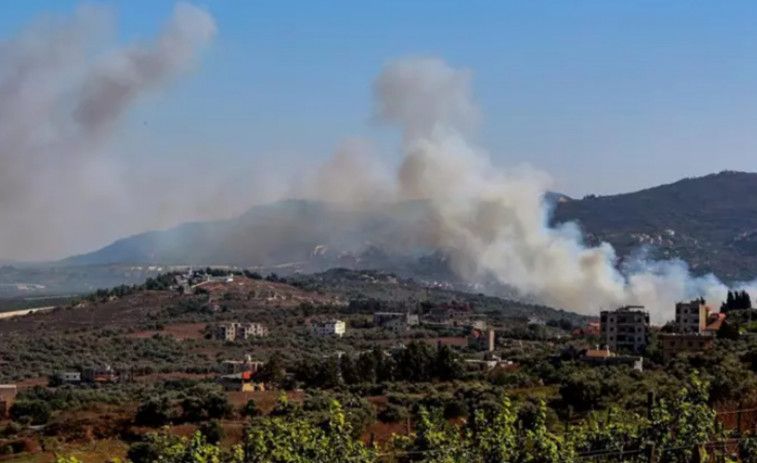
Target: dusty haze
x,y
63,94
63,99
493,220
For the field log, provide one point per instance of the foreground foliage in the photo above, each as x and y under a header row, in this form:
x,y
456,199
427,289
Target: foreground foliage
x,y
676,430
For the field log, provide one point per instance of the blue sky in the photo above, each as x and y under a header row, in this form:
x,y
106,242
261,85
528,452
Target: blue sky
x,y
605,96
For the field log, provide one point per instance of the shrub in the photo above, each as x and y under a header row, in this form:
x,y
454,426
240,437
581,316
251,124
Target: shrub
x,y
31,411
212,431
205,402
154,412
392,414
250,409
455,408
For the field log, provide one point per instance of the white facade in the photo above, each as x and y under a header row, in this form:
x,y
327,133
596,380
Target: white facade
x,y
328,328
238,331
251,330
70,377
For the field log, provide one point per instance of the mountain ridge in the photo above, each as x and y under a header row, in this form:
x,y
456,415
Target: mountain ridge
x,y
709,221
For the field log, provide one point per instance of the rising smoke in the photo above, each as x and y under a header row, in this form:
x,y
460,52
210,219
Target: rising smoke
x,y
495,220
62,94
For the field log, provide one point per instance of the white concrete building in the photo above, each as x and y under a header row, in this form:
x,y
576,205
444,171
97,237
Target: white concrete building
x,y
239,331
70,377
327,328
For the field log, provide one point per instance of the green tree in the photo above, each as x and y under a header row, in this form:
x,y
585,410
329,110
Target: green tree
x,y
329,375
365,367
273,371
154,412
212,431
447,364
204,402
283,440
349,370
32,411
683,423
250,409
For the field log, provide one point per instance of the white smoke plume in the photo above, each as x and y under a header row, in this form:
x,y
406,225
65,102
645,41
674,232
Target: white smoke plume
x,y
62,95
494,219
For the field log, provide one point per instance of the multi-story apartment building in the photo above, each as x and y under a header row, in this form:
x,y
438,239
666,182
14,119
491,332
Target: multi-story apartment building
x,y
694,330
625,329
691,317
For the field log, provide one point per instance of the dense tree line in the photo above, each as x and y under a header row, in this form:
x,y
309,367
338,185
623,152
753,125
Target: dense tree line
x,y
736,300
675,430
417,362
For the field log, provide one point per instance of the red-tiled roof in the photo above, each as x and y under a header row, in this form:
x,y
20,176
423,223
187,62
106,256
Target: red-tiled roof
x,y
715,321
601,353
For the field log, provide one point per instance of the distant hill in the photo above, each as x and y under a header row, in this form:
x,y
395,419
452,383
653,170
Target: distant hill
x,y
292,231
710,222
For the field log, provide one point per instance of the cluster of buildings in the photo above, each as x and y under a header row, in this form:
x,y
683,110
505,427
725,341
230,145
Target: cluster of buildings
x,y
627,330
695,328
236,331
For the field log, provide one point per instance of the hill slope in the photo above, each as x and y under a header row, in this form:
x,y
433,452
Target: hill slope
x,y
275,234
711,222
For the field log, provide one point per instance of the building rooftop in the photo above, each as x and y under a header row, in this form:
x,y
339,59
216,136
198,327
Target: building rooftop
x,y
598,353
632,308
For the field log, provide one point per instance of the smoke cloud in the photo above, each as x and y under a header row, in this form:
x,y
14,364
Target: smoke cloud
x,y
494,220
62,95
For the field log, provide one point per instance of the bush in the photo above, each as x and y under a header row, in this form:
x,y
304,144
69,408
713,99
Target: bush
x,y
143,452
455,409
205,402
31,411
393,414
212,431
154,412
250,409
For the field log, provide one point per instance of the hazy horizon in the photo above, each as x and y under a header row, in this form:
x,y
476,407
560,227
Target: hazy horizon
x,y
604,98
